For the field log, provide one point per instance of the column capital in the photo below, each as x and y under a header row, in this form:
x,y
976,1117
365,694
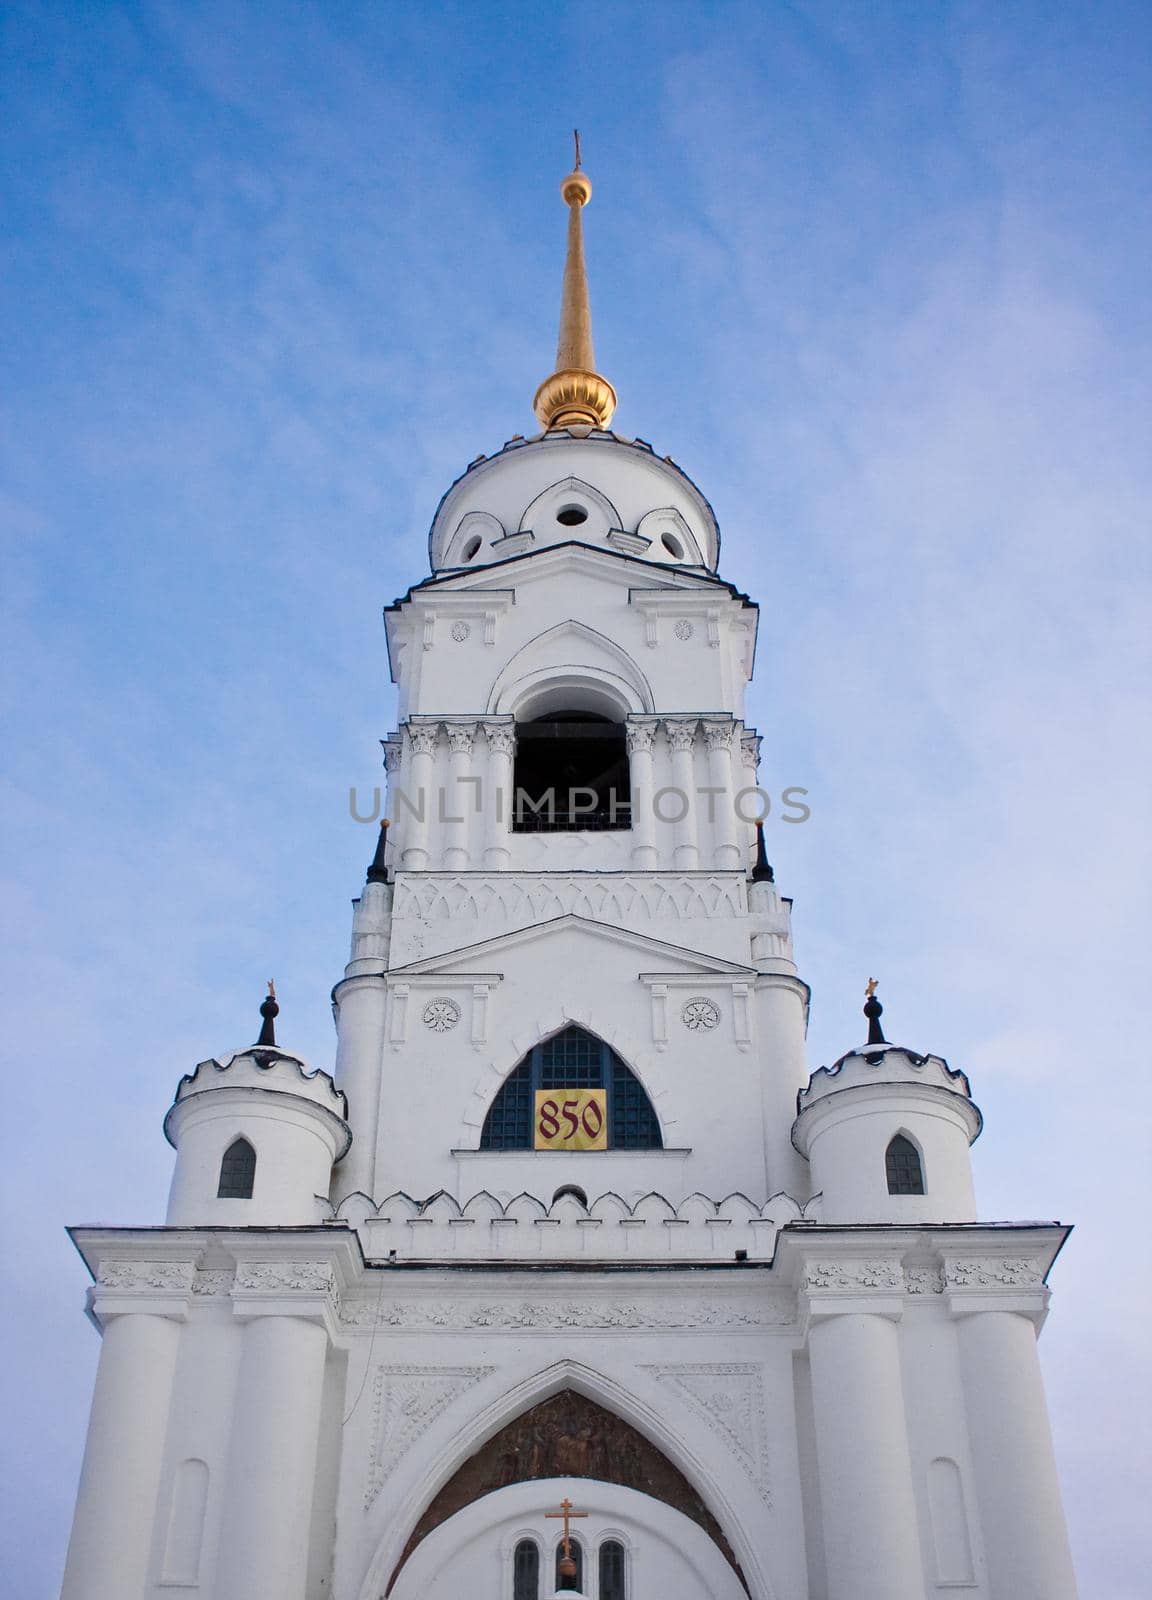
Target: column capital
x,y
422,737
681,732
500,737
460,737
639,736
719,734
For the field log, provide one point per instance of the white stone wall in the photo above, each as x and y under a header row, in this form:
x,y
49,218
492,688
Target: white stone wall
x,y
862,1416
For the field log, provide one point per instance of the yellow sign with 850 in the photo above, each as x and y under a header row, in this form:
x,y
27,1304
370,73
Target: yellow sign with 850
x,y
571,1119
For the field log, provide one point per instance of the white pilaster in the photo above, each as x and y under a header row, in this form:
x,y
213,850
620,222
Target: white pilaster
x,y
781,1002
640,738
1017,1490
726,852
498,796
272,1468
111,1542
681,738
361,1007
460,802
419,793
749,764
869,1508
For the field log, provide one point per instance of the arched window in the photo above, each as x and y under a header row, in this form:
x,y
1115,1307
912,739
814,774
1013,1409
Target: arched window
x,y
612,1570
576,1581
571,774
905,1174
572,1059
237,1172
526,1571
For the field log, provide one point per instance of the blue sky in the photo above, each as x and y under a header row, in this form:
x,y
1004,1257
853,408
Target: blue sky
x,y
876,275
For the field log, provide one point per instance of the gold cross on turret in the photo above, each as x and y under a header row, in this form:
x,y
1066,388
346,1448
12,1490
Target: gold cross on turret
x,y
871,987
569,1515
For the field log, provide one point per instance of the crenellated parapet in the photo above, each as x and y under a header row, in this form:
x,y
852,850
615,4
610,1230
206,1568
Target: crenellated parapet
x,y
607,1228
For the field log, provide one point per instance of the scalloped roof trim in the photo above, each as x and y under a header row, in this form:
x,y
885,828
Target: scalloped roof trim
x,y
267,1059
444,1207
873,1054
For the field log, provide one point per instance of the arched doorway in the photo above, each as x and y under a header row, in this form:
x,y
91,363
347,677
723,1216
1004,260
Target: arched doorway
x,y
498,1498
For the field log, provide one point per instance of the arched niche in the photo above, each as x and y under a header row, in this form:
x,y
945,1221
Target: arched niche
x,y
570,667
670,539
562,1438
571,509
472,542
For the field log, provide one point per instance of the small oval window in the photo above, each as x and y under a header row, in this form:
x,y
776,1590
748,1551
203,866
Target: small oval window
x,y
572,516
673,546
472,547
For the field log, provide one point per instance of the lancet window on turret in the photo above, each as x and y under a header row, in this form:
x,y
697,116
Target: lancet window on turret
x,y
571,774
905,1171
544,1104
237,1172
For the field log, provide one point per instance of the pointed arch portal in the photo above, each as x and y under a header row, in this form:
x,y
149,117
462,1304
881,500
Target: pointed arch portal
x,y
568,1436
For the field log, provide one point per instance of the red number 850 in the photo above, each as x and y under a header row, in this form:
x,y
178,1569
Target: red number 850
x,y
591,1119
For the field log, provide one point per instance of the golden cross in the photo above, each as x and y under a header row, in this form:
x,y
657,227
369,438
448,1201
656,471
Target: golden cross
x,y
271,989
569,1515
870,990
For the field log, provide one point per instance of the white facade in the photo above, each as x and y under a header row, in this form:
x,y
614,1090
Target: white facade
x,y
775,1376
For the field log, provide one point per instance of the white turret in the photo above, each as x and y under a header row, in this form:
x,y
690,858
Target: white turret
x,y
887,1134
256,1135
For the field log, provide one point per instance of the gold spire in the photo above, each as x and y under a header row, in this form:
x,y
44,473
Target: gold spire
x,y
575,395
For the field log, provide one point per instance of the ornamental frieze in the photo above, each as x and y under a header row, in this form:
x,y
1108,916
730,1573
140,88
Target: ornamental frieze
x,y
994,1272
513,1315
924,1280
853,1274
270,1276
168,1276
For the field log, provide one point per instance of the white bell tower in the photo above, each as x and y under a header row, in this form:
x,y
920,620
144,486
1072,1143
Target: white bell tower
x,y
571,1223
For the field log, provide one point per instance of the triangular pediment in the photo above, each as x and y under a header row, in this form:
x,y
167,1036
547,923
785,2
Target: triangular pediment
x,y
654,955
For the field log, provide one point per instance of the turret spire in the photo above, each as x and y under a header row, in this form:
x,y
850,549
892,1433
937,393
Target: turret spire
x,y
378,871
873,1010
575,395
269,1011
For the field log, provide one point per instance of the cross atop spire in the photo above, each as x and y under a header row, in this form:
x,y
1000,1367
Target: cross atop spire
x,y
575,395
